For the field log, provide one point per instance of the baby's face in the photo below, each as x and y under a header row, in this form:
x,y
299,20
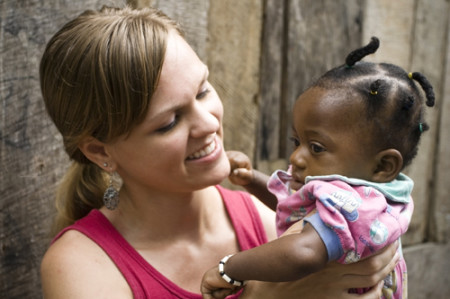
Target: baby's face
x,y
331,136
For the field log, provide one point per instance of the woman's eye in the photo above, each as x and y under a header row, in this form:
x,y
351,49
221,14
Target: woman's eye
x,y
315,148
295,141
169,126
202,94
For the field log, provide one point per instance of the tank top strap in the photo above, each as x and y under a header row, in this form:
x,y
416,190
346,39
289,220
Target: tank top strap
x,y
245,218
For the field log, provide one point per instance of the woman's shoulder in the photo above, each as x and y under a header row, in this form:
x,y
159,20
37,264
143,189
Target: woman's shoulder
x,y
76,267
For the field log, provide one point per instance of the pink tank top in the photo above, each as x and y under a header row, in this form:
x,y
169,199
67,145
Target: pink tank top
x,y
144,280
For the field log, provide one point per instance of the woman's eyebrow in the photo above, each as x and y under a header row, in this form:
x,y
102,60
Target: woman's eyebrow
x,y
205,76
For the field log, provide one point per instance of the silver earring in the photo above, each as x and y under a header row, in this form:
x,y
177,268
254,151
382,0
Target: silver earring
x,y
111,195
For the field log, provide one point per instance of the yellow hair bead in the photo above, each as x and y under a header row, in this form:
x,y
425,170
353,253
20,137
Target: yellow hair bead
x,y
373,92
410,75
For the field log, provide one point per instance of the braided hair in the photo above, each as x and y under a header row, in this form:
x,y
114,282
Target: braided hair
x,y
394,103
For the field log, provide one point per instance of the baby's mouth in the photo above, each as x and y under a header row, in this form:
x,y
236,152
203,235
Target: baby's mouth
x,y
208,149
296,183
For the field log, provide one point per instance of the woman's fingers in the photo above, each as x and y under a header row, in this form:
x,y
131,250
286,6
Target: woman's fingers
x,y
368,272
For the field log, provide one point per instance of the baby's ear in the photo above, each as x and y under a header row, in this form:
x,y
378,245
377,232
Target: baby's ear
x,y
389,164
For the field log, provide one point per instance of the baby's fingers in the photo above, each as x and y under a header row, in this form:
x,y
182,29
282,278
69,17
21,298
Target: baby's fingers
x,y
241,176
238,160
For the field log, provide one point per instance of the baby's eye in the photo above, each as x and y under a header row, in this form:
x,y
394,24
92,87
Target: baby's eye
x,y
295,141
315,148
202,94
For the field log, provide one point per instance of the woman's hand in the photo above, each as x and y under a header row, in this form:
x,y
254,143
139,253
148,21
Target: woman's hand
x,y
332,282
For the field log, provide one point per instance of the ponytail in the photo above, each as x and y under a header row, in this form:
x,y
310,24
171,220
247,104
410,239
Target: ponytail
x,y
98,74
80,191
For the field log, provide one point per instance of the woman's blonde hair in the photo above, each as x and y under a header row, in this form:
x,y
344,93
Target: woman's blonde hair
x,y
98,74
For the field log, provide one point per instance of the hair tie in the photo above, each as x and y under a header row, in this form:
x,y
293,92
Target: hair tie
x,y
421,127
373,92
410,75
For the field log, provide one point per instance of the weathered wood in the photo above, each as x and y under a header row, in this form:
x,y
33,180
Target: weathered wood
x,y
392,22
31,155
431,17
272,54
428,266
233,58
193,17
440,207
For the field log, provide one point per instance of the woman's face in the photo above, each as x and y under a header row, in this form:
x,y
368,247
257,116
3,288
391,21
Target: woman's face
x,y
179,146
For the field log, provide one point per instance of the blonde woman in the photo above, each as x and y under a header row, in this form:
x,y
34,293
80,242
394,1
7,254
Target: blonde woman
x,y
132,101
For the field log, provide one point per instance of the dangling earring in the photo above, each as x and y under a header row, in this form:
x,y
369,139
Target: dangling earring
x,y
111,195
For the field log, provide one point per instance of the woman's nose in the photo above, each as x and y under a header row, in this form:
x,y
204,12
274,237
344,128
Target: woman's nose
x,y
204,121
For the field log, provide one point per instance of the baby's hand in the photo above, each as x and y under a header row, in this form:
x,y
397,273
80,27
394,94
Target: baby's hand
x,y
214,286
241,168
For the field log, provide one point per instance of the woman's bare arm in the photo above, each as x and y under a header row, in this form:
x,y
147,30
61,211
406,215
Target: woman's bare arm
x,y
75,267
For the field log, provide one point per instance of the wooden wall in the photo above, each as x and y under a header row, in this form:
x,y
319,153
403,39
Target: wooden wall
x,y
261,55
31,156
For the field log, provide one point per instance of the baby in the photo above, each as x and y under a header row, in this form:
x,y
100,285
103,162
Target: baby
x,y
354,131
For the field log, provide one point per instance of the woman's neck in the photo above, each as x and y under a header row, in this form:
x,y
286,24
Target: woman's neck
x,y
165,217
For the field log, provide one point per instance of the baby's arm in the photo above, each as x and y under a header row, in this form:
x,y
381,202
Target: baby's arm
x,y
288,258
254,181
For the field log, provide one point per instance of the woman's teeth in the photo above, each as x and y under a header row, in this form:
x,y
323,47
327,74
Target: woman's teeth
x,y
204,151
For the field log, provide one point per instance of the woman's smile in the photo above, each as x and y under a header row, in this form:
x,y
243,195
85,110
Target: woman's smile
x,y
208,149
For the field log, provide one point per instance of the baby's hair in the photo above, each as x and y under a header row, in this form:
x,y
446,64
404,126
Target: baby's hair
x,y
360,53
394,103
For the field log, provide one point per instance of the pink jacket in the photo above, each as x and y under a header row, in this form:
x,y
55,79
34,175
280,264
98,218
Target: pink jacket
x,y
354,218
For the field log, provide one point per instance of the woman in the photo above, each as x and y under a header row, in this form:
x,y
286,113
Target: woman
x,y
132,99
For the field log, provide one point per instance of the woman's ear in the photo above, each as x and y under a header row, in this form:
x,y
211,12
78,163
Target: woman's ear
x,y
389,164
95,151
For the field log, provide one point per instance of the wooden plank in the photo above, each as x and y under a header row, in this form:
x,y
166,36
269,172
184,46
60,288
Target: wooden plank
x,y
270,118
233,51
440,209
428,56
32,158
193,17
428,266
392,22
